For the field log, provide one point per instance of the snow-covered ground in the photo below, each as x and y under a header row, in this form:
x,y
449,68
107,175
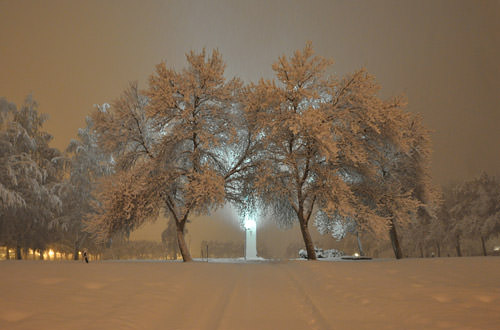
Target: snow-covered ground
x,y
453,293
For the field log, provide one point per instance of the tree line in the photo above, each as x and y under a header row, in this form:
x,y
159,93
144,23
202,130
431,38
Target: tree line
x,y
305,147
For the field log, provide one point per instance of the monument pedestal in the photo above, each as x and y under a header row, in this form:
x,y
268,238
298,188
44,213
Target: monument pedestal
x,y
250,239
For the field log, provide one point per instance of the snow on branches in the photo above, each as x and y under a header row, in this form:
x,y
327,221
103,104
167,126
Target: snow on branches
x,y
125,200
305,145
171,141
335,149
29,172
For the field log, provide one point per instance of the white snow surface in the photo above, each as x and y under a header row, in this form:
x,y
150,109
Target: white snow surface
x,y
438,293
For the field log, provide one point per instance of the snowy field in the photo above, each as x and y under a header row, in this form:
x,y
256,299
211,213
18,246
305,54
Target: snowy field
x,y
453,293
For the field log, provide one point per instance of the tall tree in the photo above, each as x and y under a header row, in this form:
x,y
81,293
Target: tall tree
x,y
30,171
332,145
122,200
384,157
408,196
474,209
195,108
8,195
177,147
294,172
87,163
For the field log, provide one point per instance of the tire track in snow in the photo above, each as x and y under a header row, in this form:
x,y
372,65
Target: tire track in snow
x,y
307,305
219,308
263,298
206,294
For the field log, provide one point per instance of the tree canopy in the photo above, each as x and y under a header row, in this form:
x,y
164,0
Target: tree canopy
x,y
334,149
306,145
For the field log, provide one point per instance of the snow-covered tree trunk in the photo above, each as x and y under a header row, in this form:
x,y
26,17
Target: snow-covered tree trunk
x,y
483,245
75,252
360,246
457,246
186,256
304,229
18,252
398,253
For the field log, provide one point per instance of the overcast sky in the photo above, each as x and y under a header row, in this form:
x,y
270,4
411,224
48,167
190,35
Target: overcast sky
x,y
444,55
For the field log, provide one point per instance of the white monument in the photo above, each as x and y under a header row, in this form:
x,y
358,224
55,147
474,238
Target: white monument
x,y
250,239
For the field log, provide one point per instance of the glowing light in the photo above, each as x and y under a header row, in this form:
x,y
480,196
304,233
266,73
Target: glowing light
x,y
51,253
250,224
356,254
496,248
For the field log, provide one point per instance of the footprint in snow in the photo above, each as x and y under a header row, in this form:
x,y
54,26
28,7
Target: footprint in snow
x,y
13,316
94,285
442,298
51,280
485,299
